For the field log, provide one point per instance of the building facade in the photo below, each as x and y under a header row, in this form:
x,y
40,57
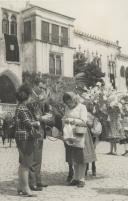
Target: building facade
x,y
41,40
47,41
10,63
108,56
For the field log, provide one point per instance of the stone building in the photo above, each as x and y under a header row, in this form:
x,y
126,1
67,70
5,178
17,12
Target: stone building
x,y
33,39
41,40
10,48
108,56
47,45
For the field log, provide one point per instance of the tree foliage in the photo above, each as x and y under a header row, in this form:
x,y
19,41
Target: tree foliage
x,y
86,72
57,85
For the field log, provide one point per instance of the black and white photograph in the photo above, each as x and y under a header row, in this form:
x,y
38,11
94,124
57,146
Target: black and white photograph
x,y
64,100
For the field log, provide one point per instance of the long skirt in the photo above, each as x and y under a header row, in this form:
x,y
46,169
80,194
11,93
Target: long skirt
x,y
115,132
81,155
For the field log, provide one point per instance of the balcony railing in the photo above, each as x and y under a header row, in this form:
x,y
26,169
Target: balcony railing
x,y
64,41
56,40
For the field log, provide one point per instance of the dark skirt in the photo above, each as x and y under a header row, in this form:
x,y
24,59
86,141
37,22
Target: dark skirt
x,y
105,126
81,155
125,139
26,152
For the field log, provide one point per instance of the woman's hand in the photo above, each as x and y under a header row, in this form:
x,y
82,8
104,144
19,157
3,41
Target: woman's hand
x,y
79,122
65,121
36,124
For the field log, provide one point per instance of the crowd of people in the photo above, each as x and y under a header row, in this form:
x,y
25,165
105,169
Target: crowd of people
x,y
85,117
7,128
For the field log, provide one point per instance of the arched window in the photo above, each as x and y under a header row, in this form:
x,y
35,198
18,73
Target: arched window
x,y
13,25
122,71
5,24
112,72
126,72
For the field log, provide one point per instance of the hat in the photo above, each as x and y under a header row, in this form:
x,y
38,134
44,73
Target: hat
x,y
98,84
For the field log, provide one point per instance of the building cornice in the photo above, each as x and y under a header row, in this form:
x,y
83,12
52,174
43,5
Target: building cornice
x,y
97,39
48,11
48,20
10,10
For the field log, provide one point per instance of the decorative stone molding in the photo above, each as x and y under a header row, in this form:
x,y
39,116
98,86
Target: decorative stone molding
x,y
97,38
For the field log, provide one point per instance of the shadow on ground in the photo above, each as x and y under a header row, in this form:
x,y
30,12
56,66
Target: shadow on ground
x,y
116,191
8,187
55,178
99,176
52,179
59,178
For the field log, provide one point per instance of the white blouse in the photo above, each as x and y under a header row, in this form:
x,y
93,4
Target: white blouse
x,y
79,112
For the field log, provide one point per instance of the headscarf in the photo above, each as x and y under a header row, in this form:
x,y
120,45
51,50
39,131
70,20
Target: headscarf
x,y
71,95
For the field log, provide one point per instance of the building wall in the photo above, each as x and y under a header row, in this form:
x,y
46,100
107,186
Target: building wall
x,y
106,51
36,53
12,69
28,56
42,57
121,81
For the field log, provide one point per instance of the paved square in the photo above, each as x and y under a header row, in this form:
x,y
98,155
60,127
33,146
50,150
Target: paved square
x,y
111,183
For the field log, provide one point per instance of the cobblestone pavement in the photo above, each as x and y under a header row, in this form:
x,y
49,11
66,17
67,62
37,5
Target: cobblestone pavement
x,y
111,183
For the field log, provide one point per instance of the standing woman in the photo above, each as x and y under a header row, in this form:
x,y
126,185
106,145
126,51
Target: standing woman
x,y
76,115
116,132
125,127
25,142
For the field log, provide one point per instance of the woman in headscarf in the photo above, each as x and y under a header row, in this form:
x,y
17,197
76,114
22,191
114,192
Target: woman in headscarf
x,y
81,150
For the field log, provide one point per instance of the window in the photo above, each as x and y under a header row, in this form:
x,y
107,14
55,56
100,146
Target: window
x,y
12,48
122,71
5,24
52,64
55,34
97,61
126,75
45,31
112,67
58,65
112,73
13,25
64,36
27,31
55,64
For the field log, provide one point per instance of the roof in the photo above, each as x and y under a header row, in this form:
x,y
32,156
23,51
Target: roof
x,y
47,10
10,10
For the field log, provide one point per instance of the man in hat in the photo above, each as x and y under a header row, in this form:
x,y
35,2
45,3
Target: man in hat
x,y
35,180
44,91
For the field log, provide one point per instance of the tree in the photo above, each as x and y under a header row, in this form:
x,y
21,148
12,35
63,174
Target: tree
x,y
88,73
79,62
93,74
